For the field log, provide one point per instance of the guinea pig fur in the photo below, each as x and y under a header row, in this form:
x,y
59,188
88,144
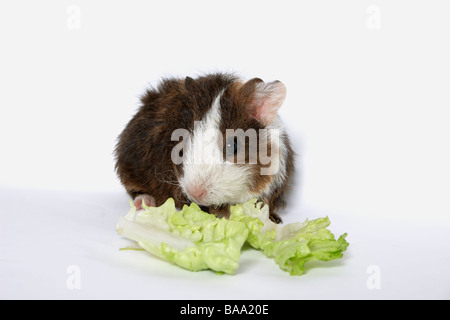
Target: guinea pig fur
x,y
188,134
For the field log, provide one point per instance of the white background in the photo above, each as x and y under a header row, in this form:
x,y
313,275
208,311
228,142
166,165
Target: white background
x,y
367,110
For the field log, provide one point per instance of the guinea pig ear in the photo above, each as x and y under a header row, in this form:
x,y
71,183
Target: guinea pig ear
x,y
265,99
190,84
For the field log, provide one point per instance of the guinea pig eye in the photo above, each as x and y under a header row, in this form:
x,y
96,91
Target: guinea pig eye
x,y
232,146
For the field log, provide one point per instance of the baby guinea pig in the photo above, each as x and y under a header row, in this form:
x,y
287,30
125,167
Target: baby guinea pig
x,y
216,141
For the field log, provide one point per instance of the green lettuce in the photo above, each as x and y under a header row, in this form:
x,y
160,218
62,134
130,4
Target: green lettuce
x,y
291,245
195,240
190,238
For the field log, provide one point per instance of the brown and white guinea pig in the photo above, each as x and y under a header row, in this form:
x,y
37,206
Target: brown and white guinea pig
x,y
183,143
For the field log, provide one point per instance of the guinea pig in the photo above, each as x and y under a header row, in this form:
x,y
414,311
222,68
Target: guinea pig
x,y
187,136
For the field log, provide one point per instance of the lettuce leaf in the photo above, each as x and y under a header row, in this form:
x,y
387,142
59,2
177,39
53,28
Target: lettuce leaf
x,y
291,245
196,240
190,238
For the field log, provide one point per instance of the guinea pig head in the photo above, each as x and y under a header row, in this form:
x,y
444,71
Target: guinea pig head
x,y
234,151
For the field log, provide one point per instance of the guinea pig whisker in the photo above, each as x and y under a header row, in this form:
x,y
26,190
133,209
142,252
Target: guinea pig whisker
x,y
161,178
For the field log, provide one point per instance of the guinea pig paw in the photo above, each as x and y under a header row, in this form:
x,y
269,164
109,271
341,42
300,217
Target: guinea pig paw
x,y
149,201
275,218
221,211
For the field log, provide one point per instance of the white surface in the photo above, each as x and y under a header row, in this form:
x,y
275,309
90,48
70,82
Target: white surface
x,y
43,234
367,111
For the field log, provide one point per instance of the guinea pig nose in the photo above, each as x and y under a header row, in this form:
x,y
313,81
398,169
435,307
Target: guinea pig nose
x,y
197,192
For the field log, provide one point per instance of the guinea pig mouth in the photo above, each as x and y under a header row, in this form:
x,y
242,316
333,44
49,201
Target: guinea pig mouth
x,y
204,200
210,202
202,203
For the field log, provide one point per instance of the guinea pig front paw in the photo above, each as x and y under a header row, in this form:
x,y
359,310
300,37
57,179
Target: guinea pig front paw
x,y
220,212
149,201
275,218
